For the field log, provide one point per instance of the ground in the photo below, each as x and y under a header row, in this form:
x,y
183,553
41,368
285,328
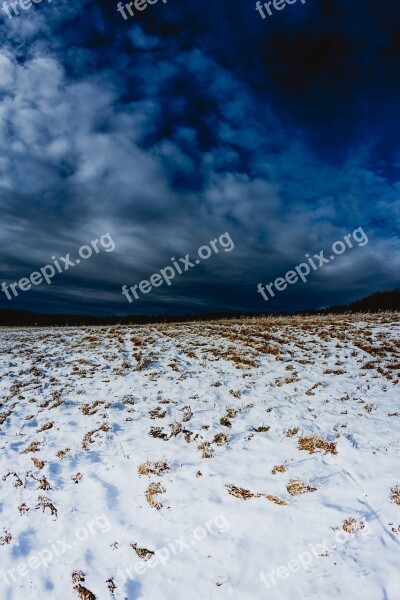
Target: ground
x,y
254,458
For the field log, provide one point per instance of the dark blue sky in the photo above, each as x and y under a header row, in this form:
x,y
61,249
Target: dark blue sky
x,y
189,120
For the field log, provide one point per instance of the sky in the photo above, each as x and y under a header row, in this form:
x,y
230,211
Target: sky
x,y
187,121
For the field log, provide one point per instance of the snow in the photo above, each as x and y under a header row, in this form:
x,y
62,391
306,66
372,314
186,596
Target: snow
x,y
336,377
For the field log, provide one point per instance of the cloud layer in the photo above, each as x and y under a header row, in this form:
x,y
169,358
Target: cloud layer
x,y
170,131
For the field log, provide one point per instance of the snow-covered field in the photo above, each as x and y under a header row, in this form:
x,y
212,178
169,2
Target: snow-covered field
x,y
189,461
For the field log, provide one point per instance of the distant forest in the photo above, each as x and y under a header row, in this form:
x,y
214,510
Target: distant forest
x,y
380,301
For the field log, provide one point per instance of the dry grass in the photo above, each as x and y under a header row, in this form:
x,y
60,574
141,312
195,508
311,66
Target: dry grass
x,y
63,453
295,487
158,432
221,439
44,484
111,586
231,413
128,399
225,422
91,409
39,464
310,392
153,490
33,447
6,538
4,416
87,438
83,593
45,427
276,500
207,451
157,413
278,469
314,443
241,493
187,414
244,494
45,503
154,468
142,553
17,482
292,432
176,428
395,494
352,525
187,435
23,509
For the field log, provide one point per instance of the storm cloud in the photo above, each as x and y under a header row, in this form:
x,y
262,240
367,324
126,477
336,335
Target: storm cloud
x,y
190,120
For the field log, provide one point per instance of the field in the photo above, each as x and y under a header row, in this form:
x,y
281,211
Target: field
x,y
255,458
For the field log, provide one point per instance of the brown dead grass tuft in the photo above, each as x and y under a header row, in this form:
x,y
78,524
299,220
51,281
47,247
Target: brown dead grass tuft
x,y
142,553
187,414
91,409
278,469
23,508
277,500
292,432
176,428
221,439
352,525
395,494
157,413
314,443
154,468
295,487
44,484
39,464
63,453
88,437
262,428
225,422
153,490
334,372
244,494
45,427
207,451
158,432
83,593
231,413
241,493
33,447
45,503
6,538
